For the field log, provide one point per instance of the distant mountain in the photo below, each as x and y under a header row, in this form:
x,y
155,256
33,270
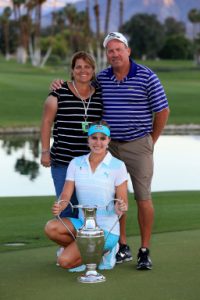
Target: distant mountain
x,y
162,8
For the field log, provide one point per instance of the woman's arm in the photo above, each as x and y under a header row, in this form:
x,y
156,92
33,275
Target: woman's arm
x,y
65,197
49,114
122,194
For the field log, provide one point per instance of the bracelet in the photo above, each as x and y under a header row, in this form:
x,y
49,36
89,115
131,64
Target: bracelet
x,y
45,151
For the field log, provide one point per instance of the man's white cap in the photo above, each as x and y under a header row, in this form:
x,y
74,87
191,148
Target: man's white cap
x,y
115,36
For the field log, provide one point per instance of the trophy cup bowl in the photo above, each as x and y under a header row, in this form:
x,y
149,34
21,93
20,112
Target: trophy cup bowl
x,y
90,240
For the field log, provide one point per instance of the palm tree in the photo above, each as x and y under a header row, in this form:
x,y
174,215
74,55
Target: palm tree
x,y
5,25
197,49
121,13
97,18
20,24
98,41
70,13
88,15
34,43
108,6
194,17
88,26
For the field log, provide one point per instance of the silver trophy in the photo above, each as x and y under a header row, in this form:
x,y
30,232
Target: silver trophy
x,y
90,241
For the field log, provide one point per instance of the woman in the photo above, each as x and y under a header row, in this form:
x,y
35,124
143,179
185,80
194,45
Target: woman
x,y
70,109
98,178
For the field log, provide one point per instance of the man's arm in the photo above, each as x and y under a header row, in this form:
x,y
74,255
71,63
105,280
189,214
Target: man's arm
x,y
159,122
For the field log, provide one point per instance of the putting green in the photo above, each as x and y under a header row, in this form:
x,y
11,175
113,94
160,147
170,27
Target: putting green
x,y
32,274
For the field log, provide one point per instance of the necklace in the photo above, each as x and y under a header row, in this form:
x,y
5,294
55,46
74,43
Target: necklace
x,y
85,124
73,83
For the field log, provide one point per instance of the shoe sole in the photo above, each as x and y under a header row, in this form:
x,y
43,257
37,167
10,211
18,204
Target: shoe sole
x,y
144,268
124,260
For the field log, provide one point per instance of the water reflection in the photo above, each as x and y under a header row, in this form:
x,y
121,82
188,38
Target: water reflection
x,y
22,173
23,165
176,158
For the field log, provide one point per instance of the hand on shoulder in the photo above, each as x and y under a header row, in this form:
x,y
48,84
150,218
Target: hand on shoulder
x,y
56,84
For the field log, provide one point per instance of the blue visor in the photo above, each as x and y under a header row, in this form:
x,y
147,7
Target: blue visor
x,y
99,128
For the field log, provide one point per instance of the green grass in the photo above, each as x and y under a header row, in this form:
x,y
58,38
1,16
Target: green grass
x,y
24,89
23,218
169,65
32,274
29,272
183,92
181,82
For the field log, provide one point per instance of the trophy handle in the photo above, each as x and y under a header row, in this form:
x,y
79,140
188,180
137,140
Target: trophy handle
x,y
88,206
72,206
59,218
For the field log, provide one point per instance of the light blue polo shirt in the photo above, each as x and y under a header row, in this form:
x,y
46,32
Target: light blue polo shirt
x,y
98,188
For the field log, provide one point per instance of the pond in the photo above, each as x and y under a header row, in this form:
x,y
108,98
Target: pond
x,y
176,160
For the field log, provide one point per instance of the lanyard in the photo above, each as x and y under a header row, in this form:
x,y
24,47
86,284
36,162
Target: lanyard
x,y
85,105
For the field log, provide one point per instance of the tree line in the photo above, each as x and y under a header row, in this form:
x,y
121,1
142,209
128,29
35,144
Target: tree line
x,y
70,30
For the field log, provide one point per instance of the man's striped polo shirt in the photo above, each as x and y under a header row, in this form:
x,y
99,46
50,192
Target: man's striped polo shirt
x,y
129,104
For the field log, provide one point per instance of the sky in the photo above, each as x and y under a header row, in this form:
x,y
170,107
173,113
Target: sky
x,y
48,3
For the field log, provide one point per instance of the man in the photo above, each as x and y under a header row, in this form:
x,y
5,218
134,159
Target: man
x,y
136,109
132,94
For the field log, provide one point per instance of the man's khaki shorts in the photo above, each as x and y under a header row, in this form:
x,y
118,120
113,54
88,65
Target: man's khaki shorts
x,y
138,158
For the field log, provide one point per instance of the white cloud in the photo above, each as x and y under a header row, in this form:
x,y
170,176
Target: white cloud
x,y
48,3
4,3
58,3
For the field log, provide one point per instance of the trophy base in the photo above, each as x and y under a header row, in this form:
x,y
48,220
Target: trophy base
x,y
91,275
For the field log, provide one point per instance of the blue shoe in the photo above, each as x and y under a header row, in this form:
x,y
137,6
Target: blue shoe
x,y
80,268
109,259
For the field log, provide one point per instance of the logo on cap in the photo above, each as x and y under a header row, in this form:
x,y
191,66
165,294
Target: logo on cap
x,y
115,36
